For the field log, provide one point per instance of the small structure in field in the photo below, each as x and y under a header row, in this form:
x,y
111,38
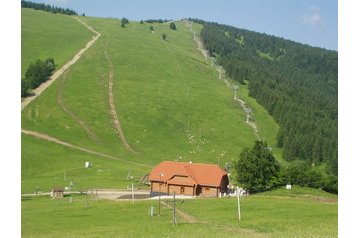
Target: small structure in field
x,y
88,164
194,179
57,193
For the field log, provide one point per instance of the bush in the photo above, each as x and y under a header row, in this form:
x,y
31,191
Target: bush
x,y
164,36
24,88
172,26
301,173
37,73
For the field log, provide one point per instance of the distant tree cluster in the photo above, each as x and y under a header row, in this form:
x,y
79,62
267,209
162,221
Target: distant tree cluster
x,y
47,8
156,20
124,21
298,172
37,73
296,83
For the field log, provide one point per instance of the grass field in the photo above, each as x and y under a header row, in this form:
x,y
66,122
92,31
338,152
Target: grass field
x,y
265,215
45,35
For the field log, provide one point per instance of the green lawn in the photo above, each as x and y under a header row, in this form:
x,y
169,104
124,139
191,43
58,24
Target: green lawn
x,y
45,35
44,217
262,216
299,212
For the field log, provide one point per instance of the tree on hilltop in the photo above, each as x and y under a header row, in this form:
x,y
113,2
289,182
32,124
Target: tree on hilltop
x,y
172,26
124,21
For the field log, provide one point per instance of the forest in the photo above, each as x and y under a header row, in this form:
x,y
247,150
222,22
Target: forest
x,y
296,83
47,8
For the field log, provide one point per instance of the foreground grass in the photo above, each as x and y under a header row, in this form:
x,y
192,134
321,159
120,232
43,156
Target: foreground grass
x,y
262,216
44,217
45,35
295,213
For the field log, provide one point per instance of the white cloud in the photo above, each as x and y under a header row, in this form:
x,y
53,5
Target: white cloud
x,y
313,18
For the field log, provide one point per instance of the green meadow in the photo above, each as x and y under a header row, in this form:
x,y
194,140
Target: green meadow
x,y
170,101
299,214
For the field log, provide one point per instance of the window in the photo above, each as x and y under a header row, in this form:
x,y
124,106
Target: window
x,y
182,189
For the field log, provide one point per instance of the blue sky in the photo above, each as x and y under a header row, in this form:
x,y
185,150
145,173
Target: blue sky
x,y
314,22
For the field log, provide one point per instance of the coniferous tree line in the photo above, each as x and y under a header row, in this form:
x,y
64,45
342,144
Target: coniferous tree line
x,y
156,20
47,8
37,73
296,83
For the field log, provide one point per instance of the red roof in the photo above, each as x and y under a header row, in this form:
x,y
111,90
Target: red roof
x,y
200,174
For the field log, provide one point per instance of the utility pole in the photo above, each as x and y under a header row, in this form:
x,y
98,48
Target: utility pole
x,y
174,212
238,202
160,191
132,194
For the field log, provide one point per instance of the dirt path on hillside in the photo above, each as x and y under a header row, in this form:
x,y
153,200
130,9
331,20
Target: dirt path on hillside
x,y
60,103
185,216
197,40
36,92
247,110
57,141
115,118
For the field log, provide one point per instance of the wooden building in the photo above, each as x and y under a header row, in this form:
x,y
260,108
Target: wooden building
x,y
194,179
57,193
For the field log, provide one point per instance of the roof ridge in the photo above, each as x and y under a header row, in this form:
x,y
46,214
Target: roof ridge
x,y
190,173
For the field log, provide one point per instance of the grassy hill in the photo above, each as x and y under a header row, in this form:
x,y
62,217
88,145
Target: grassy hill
x,y
169,100
45,35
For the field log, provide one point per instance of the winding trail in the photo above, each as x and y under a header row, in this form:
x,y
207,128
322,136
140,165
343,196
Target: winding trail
x,y
116,122
57,141
60,103
36,92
